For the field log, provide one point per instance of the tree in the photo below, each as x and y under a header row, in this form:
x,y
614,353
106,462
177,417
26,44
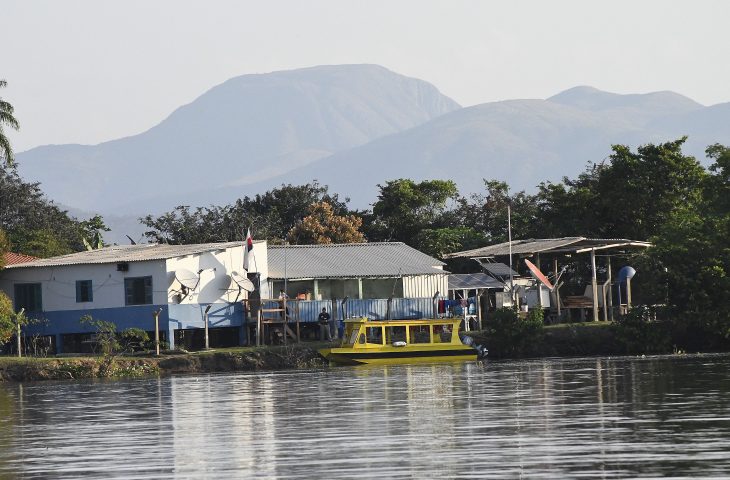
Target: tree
x,y
404,208
270,215
4,248
91,232
438,242
33,224
322,226
6,118
631,196
7,324
486,213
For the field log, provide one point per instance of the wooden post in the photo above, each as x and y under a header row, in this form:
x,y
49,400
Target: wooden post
x,y
315,290
594,284
17,335
610,290
539,285
156,314
205,318
557,292
479,309
628,295
259,326
359,288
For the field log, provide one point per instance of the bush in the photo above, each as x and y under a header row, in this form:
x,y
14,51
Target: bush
x,y
642,331
508,335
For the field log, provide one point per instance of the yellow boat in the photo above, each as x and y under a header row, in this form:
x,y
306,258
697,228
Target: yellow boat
x,y
400,341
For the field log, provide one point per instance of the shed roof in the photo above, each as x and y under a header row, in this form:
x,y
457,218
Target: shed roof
x,y
128,253
469,281
549,245
353,260
499,269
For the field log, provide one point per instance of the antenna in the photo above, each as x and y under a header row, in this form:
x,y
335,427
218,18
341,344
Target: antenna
x,y
187,278
243,282
538,275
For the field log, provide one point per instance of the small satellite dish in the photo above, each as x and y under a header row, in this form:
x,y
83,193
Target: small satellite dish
x,y
538,275
243,282
626,273
187,278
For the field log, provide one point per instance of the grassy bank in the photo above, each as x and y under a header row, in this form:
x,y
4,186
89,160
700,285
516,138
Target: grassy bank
x,y
221,360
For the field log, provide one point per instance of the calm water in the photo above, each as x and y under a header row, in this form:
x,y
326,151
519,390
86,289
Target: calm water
x,y
556,418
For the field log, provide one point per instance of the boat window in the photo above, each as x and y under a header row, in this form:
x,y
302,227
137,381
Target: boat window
x,y
353,336
395,334
445,333
375,335
362,339
419,334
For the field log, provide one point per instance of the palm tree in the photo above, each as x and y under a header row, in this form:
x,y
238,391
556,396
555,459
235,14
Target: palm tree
x,y
6,118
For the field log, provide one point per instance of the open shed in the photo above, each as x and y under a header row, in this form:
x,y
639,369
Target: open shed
x,y
561,246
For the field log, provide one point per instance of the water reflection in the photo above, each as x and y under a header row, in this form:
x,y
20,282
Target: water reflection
x,y
600,418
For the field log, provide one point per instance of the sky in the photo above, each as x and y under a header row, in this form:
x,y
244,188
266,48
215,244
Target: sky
x,y
86,71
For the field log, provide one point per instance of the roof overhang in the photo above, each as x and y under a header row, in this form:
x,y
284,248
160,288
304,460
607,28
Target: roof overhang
x,y
550,246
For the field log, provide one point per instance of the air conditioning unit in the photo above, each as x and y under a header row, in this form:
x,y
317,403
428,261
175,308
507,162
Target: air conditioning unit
x,y
122,267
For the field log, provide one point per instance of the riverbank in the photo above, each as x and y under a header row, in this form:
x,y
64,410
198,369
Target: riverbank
x,y
224,360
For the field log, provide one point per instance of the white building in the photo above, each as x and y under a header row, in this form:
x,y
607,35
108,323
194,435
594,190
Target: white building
x,y
127,284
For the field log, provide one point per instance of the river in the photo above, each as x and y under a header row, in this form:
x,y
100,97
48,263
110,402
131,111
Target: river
x,y
550,418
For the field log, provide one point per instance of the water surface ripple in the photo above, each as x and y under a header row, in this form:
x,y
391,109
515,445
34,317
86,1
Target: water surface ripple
x,y
554,418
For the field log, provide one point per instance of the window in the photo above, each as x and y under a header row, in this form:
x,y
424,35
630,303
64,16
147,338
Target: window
x,y
28,296
138,291
84,293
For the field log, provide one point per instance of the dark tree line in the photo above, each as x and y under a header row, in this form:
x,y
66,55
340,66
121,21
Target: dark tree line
x,y
34,225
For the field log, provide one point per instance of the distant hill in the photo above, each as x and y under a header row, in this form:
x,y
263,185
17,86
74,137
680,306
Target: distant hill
x,y
248,129
352,127
521,141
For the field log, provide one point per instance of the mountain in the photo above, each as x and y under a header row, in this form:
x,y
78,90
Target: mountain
x,y
523,142
246,130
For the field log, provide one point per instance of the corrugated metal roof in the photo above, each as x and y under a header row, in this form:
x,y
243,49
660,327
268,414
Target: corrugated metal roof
x,y
552,245
12,258
468,281
127,253
378,259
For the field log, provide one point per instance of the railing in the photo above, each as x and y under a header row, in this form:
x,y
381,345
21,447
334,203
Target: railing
x,y
376,308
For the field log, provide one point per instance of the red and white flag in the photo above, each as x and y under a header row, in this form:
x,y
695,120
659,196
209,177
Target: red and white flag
x,y
247,249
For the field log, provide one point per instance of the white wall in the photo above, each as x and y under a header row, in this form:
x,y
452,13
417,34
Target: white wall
x,y
215,285
58,284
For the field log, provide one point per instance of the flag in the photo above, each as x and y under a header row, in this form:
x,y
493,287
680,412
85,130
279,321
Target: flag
x,y
247,249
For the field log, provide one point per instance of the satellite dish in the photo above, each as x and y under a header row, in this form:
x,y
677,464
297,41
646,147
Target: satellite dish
x,y
626,273
538,275
187,278
243,282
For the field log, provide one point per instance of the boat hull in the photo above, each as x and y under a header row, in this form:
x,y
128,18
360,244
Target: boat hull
x,y
351,356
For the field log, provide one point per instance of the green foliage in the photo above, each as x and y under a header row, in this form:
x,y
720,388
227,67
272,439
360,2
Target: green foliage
x,y
642,331
105,335
439,242
271,216
91,232
7,319
6,119
404,208
4,248
508,335
33,224
134,339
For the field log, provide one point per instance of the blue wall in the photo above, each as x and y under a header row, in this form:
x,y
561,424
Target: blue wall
x,y
172,317
178,317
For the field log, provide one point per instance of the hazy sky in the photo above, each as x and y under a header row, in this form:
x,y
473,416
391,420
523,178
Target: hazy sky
x,y
89,71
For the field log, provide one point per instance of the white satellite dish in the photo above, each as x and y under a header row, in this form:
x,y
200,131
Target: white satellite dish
x,y
243,282
187,278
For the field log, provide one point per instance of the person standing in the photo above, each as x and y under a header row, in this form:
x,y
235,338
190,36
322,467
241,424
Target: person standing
x,y
324,325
